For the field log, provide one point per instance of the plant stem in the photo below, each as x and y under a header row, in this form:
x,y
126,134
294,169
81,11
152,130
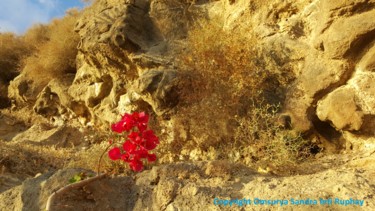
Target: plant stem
x,y
101,156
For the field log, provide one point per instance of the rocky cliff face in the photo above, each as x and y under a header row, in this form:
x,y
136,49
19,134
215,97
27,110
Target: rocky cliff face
x,y
126,59
129,60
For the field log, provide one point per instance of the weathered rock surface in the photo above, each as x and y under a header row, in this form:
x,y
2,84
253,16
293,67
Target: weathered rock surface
x,y
182,185
125,44
340,107
343,53
53,100
20,90
39,134
314,39
348,106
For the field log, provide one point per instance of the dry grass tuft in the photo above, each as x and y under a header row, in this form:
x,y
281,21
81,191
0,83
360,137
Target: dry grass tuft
x,y
28,160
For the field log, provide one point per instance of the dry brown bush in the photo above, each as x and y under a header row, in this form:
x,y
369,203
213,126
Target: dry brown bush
x,y
233,93
56,50
37,35
12,50
259,139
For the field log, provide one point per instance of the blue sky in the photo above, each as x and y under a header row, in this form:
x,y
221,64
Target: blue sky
x,y
18,15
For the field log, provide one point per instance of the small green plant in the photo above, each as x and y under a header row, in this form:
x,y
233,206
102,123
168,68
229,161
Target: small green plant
x,y
79,177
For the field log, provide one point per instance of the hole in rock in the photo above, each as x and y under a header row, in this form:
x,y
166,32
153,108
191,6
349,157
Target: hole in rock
x,y
325,129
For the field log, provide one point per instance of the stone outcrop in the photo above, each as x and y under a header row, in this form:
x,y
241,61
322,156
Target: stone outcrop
x,y
196,186
126,63
341,36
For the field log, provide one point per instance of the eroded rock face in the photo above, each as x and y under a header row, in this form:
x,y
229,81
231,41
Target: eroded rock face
x,y
352,101
337,70
348,105
54,99
119,41
159,88
42,134
21,90
125,59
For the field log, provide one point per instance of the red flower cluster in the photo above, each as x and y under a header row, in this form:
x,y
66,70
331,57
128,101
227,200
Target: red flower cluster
x,y
138,143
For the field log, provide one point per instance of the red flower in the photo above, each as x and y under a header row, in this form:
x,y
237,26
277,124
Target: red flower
x,y
143,118
135,138
117,127
142,153
142,121
115,153
125,157
129,146
138,144
136,165
150,140
125,124
151,157
129,121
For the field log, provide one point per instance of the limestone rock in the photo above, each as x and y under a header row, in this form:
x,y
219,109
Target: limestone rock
x,y
341,108
54,100
329,79
363,83
323,14
159,88
342,41
122,63
182,185
33,193
367,62
42,134
21,90
122,24
320,74
351,106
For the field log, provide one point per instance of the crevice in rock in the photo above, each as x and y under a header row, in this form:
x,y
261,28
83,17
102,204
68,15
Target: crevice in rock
x,y
311,111
368,125
352,9
4,102
363,7
359,46
325,129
